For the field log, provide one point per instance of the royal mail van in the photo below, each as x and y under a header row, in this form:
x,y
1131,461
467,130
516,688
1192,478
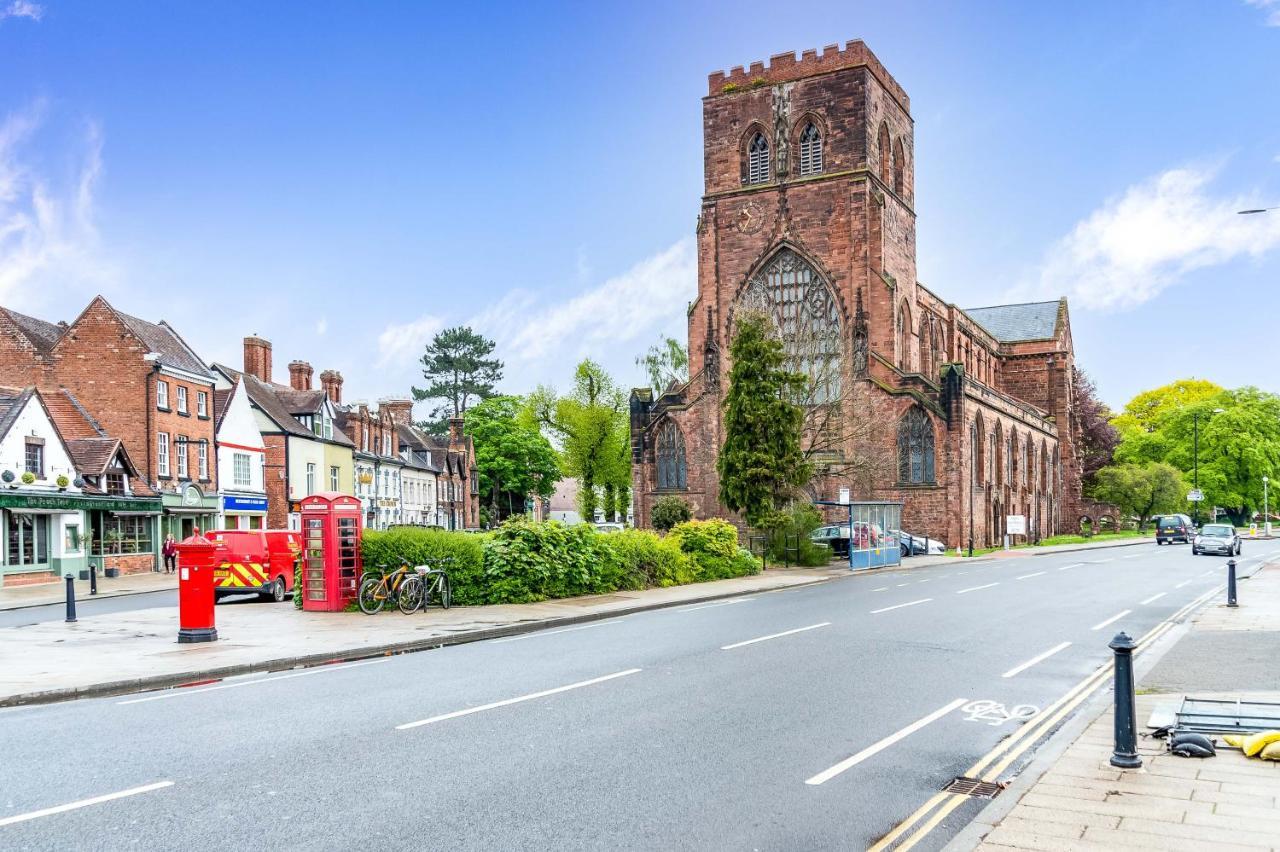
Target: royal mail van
x,y
259,561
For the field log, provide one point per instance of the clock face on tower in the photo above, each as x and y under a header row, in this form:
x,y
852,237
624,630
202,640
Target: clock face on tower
x,y
749,219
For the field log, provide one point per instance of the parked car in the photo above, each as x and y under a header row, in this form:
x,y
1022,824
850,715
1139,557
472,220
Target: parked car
x,y
259,561
865,537
1217,538
609,527
835,537
1171,528
914,545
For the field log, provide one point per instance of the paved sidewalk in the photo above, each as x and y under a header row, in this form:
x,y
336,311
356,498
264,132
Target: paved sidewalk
x,y
44,594
1228,802
121,652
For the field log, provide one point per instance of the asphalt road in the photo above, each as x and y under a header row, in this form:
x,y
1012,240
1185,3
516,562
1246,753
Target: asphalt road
x,y
688,728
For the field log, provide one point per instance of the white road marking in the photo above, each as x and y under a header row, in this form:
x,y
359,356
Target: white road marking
x,y
900,606
1113,618
84,803
849,762
1183,583
922,581
1153,598
1036,659
961,573
535,634
1104,561
710,605
509,701
976,588
881,589
1029,576
1072,565
1135,556
1207,573
773,636
900,585
179,692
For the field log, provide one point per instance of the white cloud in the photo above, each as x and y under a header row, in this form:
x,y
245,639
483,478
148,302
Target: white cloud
x,y
22,9
1271,7
1144,240
401,344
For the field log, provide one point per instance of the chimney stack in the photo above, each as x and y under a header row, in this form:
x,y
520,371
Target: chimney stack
x,y
455,431
401,410
257,358
331,381
300,375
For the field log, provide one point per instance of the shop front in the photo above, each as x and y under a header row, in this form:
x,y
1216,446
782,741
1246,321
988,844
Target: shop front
x,y
188,510
43,537
243,512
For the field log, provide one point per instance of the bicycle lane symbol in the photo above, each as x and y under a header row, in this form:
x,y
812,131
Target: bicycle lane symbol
x,y
995,714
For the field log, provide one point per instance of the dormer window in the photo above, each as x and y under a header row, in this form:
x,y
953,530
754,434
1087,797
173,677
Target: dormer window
x,y
811,150
758,159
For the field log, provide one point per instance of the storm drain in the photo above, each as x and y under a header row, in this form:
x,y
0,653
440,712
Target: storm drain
x,y
972,787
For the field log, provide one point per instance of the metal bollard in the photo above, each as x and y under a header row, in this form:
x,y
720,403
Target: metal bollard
x,y
1231,582
93,580
1125,755
71,600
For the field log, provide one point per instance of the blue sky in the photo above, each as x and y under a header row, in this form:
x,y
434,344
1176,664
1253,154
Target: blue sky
x,y
344,179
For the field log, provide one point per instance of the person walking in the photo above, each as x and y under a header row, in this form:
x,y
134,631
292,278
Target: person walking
x,y
170,552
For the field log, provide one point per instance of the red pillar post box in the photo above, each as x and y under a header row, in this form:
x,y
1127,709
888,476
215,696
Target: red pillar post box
x,y
197,557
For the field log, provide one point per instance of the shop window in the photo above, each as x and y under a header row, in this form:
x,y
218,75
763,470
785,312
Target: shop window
x,y
255,522
162,395
121,534
71,542
33,461
28,539
115,484
182,399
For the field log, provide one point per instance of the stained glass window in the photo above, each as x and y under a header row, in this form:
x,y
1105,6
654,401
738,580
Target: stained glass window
x,y
915,448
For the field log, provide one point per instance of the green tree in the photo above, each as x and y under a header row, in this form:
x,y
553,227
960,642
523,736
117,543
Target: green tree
x,y
1141,490
761,463
513,458
665,362
459,370
1150,410
669,511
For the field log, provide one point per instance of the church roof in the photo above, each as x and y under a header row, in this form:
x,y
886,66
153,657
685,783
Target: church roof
x,y
1013,323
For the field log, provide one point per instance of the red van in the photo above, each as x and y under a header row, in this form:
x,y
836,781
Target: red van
x,y
259,561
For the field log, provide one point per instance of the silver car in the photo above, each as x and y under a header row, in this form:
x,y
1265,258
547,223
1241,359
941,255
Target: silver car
x,y
1216,538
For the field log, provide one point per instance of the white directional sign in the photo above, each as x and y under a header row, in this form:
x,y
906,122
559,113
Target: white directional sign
x,y
1015,524
1195,496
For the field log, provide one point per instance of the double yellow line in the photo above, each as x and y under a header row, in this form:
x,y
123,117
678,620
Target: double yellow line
x,y
1007,751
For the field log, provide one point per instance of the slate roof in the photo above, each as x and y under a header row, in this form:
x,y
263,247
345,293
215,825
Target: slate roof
x,y
281,403
423,454
1013,323
12,401
41,334
164,341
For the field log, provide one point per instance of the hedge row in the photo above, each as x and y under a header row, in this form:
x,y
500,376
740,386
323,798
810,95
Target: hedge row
x,y
524,561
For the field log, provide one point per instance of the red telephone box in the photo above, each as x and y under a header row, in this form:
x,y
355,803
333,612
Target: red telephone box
x,y
331,532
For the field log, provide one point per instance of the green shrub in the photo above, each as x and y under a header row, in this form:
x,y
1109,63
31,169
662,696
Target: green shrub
x,y
669,511
712,546
793,528
528,560
647,560
421,546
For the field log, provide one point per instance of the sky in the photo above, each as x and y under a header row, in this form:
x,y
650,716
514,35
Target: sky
x,y
347,179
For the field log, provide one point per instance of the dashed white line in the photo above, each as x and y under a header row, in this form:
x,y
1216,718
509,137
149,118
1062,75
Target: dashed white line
x,y
1029,576
1134,556
848,762
922,581
1110,620
1036,659
509,701
84,803
180,692
773,636
900,606
1183,583
976,588
710,605
1072,565
900,585
1103,561
881,589
1210,571
1153,598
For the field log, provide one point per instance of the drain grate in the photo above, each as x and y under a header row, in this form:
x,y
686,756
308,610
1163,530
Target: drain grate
x,y
973,787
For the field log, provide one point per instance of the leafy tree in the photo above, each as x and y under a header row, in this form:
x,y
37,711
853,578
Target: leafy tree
x,y
761,463
1098,438
669,511
458,370
666,361
1149,410
1141,490
513,458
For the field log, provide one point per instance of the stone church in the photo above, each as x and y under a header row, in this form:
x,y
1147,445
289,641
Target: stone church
x,y
966,416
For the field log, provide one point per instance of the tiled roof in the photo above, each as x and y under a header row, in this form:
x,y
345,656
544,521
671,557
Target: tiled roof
x,y
281,403
1013,323
165,342
221,397
70,417
12,401
92,455
41,334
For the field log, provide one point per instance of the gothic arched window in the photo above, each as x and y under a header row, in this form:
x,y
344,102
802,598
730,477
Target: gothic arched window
x,y
899,167
979,460
915,448
884,153
672,470
758,159
1029,471
792,294
810,150
1044,466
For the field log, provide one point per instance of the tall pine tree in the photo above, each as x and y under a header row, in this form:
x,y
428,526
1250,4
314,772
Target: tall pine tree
x,y
761,463
459,371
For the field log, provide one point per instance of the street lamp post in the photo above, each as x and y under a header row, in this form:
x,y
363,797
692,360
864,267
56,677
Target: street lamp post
x,y
1266,509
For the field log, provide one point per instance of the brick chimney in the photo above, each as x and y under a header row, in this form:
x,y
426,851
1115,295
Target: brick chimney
x,y
455,431
257,357
331,381
300,375
401,410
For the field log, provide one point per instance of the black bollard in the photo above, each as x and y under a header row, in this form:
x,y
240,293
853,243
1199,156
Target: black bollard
x,y
1125,755
71,600
93,580
1231,582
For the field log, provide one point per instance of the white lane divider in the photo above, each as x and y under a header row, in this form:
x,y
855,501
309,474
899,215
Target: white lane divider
x,y
1111,620
537,633
84,803
1072,565
774,636
179,692
900,606
712,605
1134,556
1210,571
1183,583
1153,598
509,701
1029,576
881,589
1039,658
901,585
848,762
976,588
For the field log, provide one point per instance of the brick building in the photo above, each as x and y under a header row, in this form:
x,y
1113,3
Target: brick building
x,y
808,215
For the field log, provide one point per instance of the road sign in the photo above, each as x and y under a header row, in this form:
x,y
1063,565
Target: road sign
x,y
1196,496
1015,524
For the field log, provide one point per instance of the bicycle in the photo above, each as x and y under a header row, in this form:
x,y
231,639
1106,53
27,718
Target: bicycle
x,y
430,582
377,589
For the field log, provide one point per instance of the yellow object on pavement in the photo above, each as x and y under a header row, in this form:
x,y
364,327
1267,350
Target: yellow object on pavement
x,y
1271,752
1235,740
1254,744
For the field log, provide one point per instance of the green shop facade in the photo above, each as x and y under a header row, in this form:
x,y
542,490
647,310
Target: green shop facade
x,y
187,510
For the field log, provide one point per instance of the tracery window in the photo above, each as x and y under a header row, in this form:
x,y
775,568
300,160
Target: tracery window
x,y
810,150
915,448
672,469
758,159
899,167
904,337
792,293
